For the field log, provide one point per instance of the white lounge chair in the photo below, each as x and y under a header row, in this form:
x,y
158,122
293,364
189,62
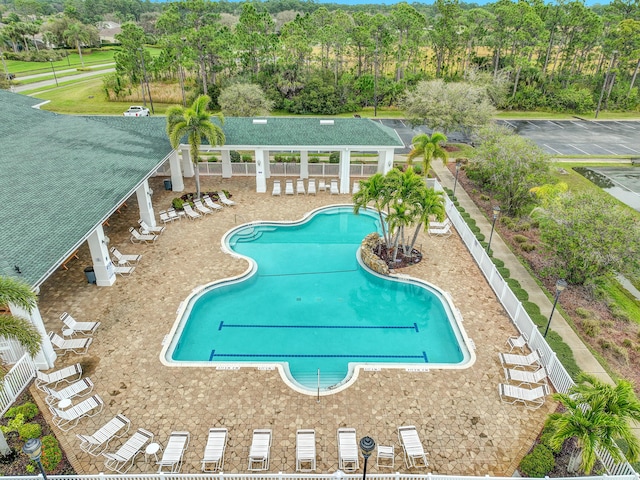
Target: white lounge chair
x,y
173,214
210,203
66,374
122,460
224,200
86,328
356,187
276,188
201,208
439,231
334,187
300,187
521,361
189,212
322,185
75,345
312,186
414,455
288,187
98,442
124,260
137,237
171,460
526,377
305,450
347,450
65,420
81,387
165,218
146,229
124,271
213,459
259,450
530,398
517,342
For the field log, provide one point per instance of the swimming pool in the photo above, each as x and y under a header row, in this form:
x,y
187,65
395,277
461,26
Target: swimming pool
x,y
307,305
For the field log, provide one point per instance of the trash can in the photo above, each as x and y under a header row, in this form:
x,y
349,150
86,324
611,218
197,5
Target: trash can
x,y
90,274
167,185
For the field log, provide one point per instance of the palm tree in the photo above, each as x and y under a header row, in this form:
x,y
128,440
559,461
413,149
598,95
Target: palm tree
x,y
428,203
19,329
429,148
77,34
596,415
194,123
406,189
374,189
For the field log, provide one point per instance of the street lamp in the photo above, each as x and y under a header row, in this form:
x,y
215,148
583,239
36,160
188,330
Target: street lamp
x,y
367,445
496,214
33,449
455,184
560,286
54,72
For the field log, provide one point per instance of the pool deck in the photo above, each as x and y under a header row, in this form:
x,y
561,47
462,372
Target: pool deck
x,y
463,425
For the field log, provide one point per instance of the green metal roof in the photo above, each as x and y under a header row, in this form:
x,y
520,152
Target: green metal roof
x,y
63,176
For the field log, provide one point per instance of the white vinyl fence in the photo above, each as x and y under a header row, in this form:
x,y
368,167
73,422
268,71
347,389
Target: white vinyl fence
x,y
242,169
15,381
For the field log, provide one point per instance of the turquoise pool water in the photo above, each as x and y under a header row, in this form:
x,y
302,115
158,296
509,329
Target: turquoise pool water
x,y
309,305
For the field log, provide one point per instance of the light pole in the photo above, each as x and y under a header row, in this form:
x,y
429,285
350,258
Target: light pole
x,y
367,445
33,449
455,184
606,81
54,72
496,214
560,286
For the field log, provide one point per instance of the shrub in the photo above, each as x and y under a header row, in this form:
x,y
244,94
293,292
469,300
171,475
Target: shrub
x,y
417,169
14,424
484,197
28,410
247,158
584,313
605,344
513,283
51,453
520,293
620,313
465,215
520,238
278,158
504,271
544,440
29,430
461,209
480,237
497,262
507,222
620,353
527,247
539,319
475,229
314,159
537,463
235,156
177,203
531,308
334,157
591,328
627,343
524,226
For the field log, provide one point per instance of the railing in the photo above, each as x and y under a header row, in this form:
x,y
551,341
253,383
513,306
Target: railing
x,y
558,375
279,169
15,381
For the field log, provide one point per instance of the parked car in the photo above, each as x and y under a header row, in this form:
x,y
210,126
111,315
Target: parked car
x,y
137,111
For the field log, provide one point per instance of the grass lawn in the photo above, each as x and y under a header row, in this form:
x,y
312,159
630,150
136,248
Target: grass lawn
x,y
21,68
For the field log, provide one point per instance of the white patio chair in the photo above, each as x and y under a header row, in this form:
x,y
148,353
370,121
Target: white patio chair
x,y
439,231
174,451
356,187
288,187
86,328
173,214
305,450
124,260
122,460
521,361
386,454
66,374
322,185
276,188
311,190
96,443
124,271
334,187
526,377
165,218
81,387
213,459
210,203
300,187
517,342
260,449
189,212
201,208
530,398
75,345
65,420
347,450
412,447
146,229
137,237
224,200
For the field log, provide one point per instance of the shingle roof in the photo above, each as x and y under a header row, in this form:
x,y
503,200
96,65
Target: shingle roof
x,y
63,176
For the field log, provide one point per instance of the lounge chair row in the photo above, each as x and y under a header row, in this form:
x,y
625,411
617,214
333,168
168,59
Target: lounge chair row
x,y
124,264
521,371
440,229
300,188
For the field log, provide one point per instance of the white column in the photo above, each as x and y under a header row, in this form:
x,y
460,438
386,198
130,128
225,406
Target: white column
x,y
143,193
226,164
261,179
304,164
381,159
267,164
46,357
102,266
177,183
187,164
387,160
345,177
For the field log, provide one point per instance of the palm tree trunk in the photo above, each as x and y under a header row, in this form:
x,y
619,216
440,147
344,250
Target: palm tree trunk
x,y
415,236
633,79
197,173
80,52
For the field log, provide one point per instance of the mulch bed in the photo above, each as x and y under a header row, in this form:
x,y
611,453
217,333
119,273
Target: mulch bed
x,y
402,260
15,464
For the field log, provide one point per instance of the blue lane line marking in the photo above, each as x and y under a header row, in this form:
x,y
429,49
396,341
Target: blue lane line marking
x,y
424,355
397,327
213,352
220,326
275,355
416,327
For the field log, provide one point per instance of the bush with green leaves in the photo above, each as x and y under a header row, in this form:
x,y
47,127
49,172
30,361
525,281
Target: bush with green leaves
x,y
497,262
531,308
29,430
538,463
520,238
177,203
51,453
334,157
527,247
590,327
28,410
235,156
247,158
504,272
314,159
